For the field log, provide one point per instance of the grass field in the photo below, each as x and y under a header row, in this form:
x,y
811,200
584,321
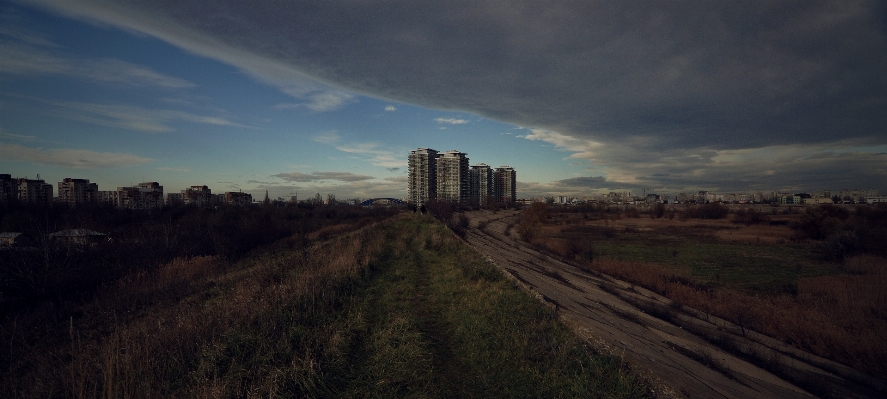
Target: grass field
x,y
762,277
762,267
398,309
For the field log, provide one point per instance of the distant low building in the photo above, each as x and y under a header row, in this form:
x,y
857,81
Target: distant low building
x,y
818,201
238,198
78,237
11,239
876,200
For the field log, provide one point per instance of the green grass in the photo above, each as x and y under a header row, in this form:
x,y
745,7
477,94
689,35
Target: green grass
x,y
443,323
758,267
400,310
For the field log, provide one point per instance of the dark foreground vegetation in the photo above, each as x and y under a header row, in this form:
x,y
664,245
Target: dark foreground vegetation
x,y
41,267
398,308
815,278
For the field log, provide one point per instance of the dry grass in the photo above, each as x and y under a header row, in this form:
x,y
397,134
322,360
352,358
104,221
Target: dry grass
x,y
197,306
400,309
840,317
756,234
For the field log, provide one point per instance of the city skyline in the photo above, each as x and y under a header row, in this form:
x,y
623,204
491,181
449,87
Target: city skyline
x,y
496,190
582,99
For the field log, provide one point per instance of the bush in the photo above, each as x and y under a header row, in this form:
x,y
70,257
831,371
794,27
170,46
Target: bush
x,y
580,248
657,211
841,245
713,210
459,224
749,217
442,211
821,222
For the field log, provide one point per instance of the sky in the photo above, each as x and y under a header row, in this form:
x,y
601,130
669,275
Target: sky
x,y
581,98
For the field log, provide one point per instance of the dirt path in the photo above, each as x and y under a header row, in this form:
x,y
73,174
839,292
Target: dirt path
x,y
692,366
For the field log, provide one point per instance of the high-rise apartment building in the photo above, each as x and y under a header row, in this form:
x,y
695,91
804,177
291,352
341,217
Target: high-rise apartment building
x,y
198,195
34,191
453,178
505,184
8,189
422,175
481,184
77,191
146,195
238,198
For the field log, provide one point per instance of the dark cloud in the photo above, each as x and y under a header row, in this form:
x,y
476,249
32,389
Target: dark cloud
x,y
594,183
669,86
320,176
683,74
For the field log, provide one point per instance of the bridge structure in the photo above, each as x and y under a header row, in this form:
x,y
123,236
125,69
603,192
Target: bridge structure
x,y
384,201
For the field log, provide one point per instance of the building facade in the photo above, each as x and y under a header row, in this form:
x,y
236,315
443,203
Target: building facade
x,y
110,198
422,175
481,184
505,184
237,198
198,196
146,195
77,191
34,191
453,178
8,189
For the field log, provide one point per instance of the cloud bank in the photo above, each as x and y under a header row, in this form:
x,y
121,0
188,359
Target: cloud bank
x,y
71,158
664,83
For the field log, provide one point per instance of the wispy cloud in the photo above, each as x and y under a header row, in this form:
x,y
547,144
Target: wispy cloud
x,y
18,137
376,156
133,117
170,169
318,101
329,137
71,158
322,176
11,28
451,121
27,60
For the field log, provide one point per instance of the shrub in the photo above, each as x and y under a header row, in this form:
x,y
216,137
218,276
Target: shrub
x,y
749,217
713,210
657,211
459,224
841,244
821,222
580,248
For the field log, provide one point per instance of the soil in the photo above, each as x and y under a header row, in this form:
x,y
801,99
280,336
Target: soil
x,y
670,344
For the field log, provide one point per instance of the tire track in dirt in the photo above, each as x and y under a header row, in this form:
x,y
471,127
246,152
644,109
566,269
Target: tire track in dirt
x,y
614,311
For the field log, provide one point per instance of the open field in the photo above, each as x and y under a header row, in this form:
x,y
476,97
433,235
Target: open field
x,y
761,258
780,283
400,308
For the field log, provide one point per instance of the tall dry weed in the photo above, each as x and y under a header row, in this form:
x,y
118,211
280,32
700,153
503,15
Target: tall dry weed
x,y
839,317
160,334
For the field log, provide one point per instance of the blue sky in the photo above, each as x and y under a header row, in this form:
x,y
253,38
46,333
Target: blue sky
x,y
303,98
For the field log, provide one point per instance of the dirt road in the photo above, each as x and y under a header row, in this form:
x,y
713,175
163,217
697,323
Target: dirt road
x,y
625,317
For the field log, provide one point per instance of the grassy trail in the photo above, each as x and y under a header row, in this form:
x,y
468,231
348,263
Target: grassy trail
x,y
450,322
402,309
